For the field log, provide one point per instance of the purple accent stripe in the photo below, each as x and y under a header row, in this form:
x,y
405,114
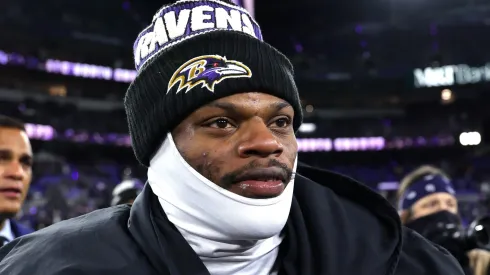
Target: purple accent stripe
x,y
47,132
188,18
63,67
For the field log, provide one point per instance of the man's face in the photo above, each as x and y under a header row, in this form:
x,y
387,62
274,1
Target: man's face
x,y
15,170
434,203
244,143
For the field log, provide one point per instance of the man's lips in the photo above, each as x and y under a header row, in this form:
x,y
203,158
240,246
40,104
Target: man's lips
x,y
262,182
262,189
12,192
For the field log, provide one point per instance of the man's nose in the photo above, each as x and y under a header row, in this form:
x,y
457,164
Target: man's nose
x,y
258,140
443,206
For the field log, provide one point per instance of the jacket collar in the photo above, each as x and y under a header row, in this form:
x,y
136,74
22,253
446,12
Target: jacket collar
x,y
18,229
159,239
164,246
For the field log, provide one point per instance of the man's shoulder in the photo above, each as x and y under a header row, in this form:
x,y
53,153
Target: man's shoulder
x,y
419,256
96,224
95,243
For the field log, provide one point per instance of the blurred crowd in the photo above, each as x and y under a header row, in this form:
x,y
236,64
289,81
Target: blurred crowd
x,y
63,190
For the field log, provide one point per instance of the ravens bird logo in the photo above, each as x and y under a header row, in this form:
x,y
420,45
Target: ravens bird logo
x,y
207,70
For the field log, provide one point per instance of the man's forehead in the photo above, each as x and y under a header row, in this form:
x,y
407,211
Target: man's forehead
x,y
250,100
436,197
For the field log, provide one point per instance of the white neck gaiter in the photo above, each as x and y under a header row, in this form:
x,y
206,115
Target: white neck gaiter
x,y
230,233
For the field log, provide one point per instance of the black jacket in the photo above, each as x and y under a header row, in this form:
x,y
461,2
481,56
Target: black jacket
x,y
336,227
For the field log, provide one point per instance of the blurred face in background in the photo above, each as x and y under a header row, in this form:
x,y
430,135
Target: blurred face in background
x,y
15,170
434,203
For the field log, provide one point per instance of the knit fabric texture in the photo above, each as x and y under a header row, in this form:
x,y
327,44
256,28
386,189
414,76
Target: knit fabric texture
x,y
193,53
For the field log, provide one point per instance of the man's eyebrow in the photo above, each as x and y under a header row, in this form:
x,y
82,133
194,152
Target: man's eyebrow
x,y
232,108
6,151
9,152
281,105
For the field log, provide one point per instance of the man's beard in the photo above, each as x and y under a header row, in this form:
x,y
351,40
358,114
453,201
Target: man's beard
x,y
232,178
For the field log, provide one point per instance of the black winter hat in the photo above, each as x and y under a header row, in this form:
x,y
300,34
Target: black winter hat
x,y
195,52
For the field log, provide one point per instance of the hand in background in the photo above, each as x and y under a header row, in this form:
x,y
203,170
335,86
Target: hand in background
x,y
479,261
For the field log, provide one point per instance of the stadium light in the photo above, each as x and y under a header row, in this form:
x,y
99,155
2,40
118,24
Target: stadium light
x,y
470,138
446,95
307,128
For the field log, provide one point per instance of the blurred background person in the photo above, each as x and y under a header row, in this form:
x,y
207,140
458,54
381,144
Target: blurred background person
x,y
126,192
15,176
428,205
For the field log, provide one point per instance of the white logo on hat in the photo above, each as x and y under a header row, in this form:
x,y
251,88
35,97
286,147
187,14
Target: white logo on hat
x,y
411,195
430,187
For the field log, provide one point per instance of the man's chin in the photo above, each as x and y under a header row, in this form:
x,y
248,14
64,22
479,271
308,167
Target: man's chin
x,y
7,215
8,211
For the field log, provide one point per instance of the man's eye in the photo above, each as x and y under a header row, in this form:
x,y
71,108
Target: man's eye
x,y
282,123
221,123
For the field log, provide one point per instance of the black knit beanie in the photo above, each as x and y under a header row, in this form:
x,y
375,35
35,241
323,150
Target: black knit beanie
x,y
195,52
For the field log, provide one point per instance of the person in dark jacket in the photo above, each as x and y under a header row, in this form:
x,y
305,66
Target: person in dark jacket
x,y
15,176
427,198
212,113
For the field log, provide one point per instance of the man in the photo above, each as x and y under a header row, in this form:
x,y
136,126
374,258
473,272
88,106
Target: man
x,y
15,176
213,113
126,192
426,199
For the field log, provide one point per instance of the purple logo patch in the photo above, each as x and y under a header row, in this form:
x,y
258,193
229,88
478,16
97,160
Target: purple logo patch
x,y
207,70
